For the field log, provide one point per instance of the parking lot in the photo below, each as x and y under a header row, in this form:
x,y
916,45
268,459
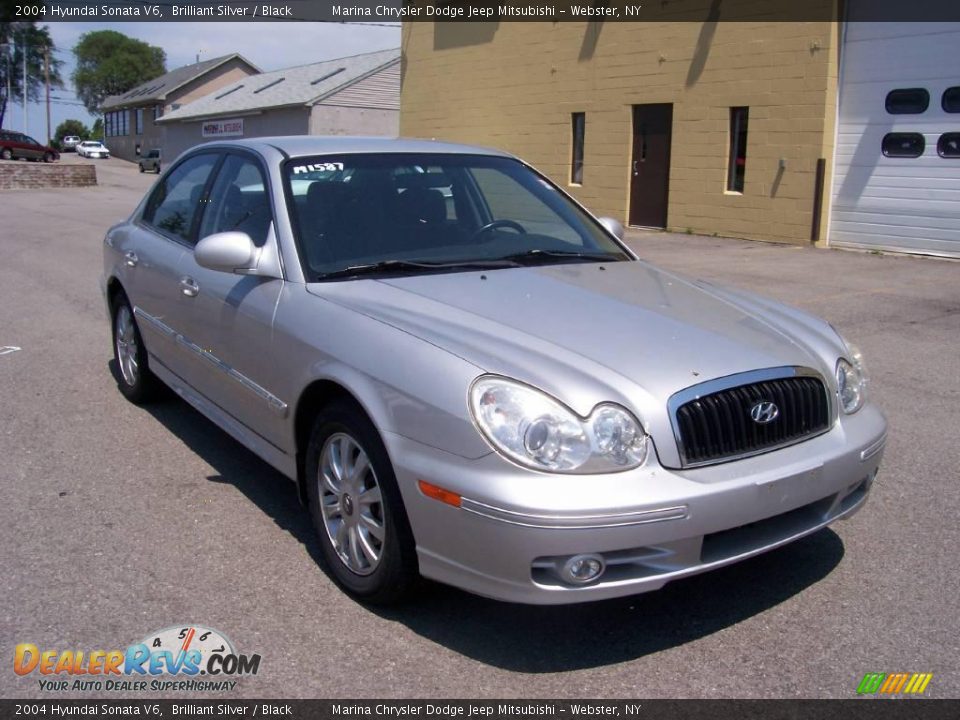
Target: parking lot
x,y
117,521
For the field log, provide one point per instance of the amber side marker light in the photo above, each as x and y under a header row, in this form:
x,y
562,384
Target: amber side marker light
x,y
438,493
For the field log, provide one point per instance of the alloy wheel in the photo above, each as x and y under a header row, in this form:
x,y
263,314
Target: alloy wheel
x,y
351,504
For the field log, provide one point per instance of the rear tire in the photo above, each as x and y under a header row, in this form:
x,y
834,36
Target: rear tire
x,y
141,166
365,536
6,154
136,382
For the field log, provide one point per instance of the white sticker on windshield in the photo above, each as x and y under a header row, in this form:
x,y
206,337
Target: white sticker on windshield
x,y
319,167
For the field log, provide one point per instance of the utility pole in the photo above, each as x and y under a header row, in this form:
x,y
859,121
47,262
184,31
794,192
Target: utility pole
x,y
46,79
24,50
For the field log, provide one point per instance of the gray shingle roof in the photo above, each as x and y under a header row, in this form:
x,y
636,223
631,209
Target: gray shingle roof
x,y
158,88
302,85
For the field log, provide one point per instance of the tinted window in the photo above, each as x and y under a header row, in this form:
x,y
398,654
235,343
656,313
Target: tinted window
x,y
951,100
238,201
908,101
737,162
176,201
903,145
949,145
579,123
353,210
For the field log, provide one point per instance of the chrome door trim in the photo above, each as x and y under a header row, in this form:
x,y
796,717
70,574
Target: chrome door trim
x,y
273,402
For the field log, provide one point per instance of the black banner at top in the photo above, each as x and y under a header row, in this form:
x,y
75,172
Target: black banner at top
x,y
395,11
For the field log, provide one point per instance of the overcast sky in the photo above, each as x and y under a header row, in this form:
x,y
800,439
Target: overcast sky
x,y
269,46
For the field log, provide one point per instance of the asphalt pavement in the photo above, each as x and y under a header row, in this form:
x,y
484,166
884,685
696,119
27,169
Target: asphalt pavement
x,y
116,521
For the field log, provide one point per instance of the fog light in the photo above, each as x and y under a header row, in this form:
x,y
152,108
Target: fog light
x,y
581,569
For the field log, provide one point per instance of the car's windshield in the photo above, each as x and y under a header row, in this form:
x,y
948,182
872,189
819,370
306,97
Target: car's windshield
x,y
353,211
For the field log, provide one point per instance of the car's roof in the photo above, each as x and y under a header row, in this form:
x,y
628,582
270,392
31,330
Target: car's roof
x,y
305,145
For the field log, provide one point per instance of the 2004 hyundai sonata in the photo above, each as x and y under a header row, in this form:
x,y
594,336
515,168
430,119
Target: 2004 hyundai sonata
x,y
472,379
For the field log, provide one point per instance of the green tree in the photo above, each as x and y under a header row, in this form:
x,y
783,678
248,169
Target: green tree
x,y
17,39
110,63
96,132
71,127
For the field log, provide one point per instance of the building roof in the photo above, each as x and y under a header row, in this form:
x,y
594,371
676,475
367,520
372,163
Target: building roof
x,y
159,88
296,86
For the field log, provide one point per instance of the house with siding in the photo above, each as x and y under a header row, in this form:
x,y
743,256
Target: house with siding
x,y
130,119
355,95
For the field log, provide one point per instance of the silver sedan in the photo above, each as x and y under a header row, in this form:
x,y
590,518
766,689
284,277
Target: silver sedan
x,y
472,379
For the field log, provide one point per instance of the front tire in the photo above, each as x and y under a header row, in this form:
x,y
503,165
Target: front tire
x,y
48,158
6,154
365,536
136,383
141,167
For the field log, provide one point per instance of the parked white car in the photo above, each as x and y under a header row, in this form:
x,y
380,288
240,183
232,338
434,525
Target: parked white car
x,y
93,149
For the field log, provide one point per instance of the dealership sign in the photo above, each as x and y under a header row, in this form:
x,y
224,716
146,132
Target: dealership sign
x,y
223,128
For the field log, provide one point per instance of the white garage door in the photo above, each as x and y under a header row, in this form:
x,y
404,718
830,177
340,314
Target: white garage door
x,y
897,175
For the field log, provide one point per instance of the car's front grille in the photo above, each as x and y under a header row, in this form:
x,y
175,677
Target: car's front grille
x,y
719,426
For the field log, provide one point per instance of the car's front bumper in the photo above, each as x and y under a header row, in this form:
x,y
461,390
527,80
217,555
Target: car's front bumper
x,y
514,528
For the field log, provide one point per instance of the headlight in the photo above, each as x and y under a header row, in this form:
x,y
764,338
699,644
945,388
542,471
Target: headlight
x,y
535,430
851,380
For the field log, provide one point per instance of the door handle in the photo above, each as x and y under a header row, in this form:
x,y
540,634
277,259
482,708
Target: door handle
x,y
188,286
131,259
634,167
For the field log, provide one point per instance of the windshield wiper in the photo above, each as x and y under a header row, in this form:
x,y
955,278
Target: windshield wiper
x,y
416,266
561,255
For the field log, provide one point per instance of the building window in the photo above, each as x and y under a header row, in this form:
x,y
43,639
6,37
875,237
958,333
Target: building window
x,y
157,112
737,163
578,127
903,145
908,101
138,129
949,145
950,102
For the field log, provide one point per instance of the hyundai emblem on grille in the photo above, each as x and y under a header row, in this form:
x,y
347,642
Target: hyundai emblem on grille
x,y
764,412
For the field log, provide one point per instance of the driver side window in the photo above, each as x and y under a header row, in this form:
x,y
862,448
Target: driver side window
x,y
239,201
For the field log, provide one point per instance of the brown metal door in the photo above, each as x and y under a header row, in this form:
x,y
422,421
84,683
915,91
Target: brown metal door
x,y
650,167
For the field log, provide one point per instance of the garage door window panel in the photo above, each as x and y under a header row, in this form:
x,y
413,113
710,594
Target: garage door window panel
x,y
174,205
903,145
950,102
948,146
908,101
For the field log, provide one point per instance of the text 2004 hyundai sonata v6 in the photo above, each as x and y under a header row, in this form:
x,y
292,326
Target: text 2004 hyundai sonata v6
x,y
472,379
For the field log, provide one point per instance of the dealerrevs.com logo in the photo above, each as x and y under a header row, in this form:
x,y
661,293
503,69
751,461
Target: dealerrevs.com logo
x,y
188,658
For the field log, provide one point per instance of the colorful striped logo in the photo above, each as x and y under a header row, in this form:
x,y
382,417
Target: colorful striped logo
x,y
894,683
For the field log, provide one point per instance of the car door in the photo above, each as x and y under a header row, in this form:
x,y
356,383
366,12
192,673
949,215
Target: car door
x,y
32,150
152,252
227,319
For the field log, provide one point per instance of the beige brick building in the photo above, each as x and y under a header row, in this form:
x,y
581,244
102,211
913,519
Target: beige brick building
x,y
666,139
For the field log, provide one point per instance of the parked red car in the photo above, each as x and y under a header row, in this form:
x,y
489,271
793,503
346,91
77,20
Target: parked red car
x,y
16,145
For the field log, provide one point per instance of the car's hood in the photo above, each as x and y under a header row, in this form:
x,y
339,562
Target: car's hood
x,y
565,328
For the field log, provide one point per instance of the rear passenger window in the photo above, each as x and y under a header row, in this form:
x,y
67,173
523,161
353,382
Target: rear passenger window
x,y
908,101
176,201
903,145
951,100
239,201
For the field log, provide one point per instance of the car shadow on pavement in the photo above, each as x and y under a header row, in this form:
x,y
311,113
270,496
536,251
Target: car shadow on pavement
x,y
534,639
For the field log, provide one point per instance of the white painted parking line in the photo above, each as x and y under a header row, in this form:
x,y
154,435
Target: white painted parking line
x,y
7,349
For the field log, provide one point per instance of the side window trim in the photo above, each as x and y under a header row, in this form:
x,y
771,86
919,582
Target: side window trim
x,y
192,238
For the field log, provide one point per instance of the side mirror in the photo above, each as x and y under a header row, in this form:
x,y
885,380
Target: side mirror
x,y
613,226
230,252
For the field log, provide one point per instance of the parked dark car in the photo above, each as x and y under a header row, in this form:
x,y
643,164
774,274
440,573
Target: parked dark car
x,y
151,161
16,145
